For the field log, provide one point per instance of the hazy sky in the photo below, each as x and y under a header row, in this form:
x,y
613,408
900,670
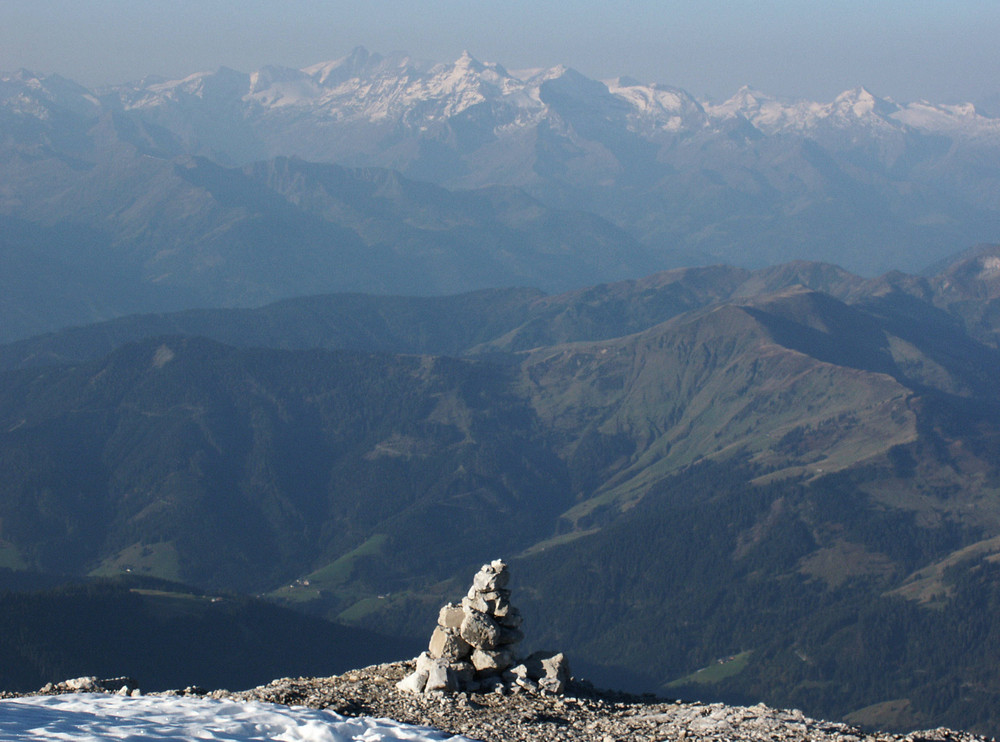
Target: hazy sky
x,y
943,50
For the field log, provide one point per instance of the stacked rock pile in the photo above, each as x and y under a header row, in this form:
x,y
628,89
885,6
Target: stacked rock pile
x,y
473,646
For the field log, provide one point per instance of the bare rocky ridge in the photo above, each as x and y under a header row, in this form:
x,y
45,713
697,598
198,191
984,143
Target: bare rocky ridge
x,y
581,713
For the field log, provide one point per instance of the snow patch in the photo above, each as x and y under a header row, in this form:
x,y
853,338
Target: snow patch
x,y
990,266
92,717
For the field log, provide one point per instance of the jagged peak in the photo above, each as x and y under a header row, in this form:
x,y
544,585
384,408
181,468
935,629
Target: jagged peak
x,y
354,64
466,64
861,102
467,60
748,93
22,75
49,90
359,55
546,73
747,101
37,80
571,81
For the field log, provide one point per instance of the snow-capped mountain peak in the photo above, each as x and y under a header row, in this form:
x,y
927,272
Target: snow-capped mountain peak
x,y
658,107
359,64
860,102
338,70
28,93
771,115
467,60
759,108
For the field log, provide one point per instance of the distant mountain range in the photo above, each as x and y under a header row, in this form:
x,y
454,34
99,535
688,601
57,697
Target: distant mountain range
x,y
710,462
162,195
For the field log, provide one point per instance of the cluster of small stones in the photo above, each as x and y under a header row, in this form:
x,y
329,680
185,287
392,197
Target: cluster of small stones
x,y
88,684
473,647
581,714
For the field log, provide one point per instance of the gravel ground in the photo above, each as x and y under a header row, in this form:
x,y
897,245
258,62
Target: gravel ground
x,y
582,713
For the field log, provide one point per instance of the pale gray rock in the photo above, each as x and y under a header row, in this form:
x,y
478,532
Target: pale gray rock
x,y
496,601
475,603
556,676
549,670
490,577
526,684
450,616
440,678
415,682
492,661
556,665
448,644
424,662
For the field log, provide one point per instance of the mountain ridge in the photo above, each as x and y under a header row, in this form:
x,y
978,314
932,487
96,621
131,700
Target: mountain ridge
x,y
517,319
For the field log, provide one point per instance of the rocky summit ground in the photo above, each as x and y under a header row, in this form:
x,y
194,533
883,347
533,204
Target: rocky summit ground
x,y
513,714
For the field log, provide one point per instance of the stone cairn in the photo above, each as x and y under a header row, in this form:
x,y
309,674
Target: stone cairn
x,y
473,646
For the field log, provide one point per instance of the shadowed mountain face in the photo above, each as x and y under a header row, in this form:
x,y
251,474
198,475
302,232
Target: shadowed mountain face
x,y
230,466
125,232
164,635
762,466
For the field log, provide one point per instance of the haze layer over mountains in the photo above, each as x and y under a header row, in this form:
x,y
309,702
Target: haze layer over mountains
x,y
162,195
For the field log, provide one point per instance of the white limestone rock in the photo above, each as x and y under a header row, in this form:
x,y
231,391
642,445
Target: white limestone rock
x,y
450,616
440,678
415,682
86,683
